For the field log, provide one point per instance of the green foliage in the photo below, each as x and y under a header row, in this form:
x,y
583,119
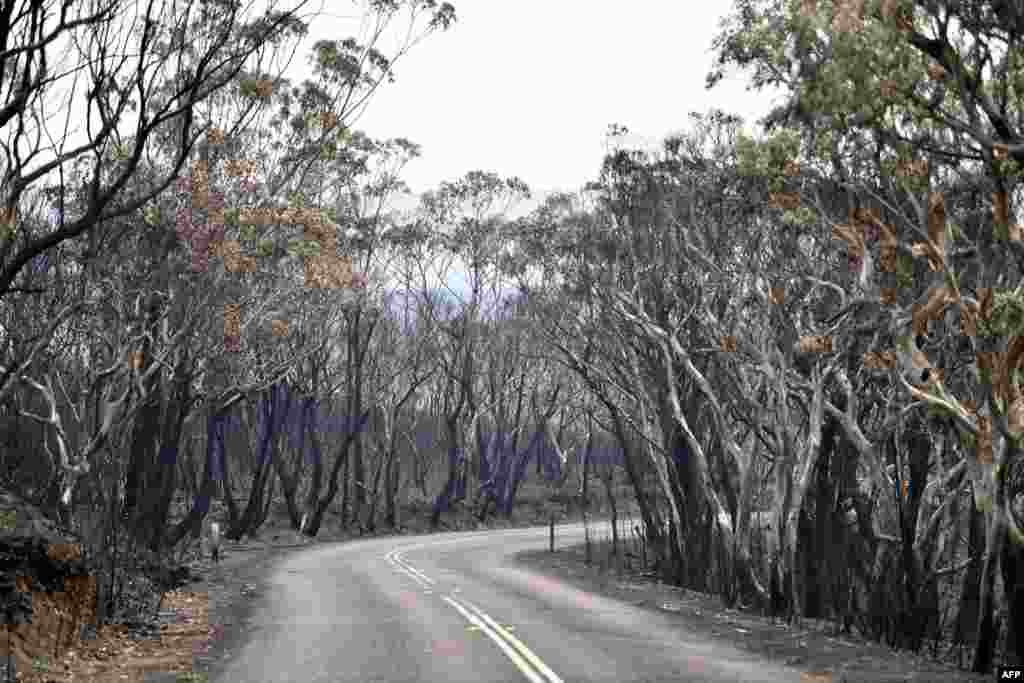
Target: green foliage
x,y
800,216
191,677
983,503
328,151
303,248
1007,316
904,271
151,215
966,442
264,248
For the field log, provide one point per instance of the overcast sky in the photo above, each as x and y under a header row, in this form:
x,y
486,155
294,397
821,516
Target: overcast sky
x,y
528,88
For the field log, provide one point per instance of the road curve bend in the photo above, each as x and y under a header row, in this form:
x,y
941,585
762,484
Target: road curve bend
x,y
456,608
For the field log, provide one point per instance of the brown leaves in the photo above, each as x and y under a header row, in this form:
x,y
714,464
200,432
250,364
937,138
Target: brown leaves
x,y
785,201
968,318
935,248
887,88
264,87
279,328
849,17
1000,208
234,261
908,168
1015,416
232,320
984,446
1001,213
815,344
727,343
853,235
239,168
888,9
808,8
936,71
938,298
64,552
878,360
215,136
887,249
971,312
776,295
1014,356
328,271
816,677
200,185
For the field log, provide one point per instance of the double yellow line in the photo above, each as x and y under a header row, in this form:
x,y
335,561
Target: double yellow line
x,y
526,661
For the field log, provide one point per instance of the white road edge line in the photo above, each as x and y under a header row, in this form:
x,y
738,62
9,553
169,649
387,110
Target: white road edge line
x,y
520,664
413,569
396,564
516,643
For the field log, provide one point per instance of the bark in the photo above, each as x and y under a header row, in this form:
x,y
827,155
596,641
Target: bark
x,y
671,349
650,516
332,480
317,475
970,588
1012,564
206,492
812,451
994,541
607,479
355,408
744,508
289,488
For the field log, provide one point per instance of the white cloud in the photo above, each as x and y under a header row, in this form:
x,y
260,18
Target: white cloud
x,y
529,88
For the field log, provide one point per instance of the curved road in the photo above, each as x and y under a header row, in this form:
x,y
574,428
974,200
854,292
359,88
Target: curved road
x,y
455,607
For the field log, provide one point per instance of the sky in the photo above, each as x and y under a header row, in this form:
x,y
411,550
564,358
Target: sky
x,y
529,88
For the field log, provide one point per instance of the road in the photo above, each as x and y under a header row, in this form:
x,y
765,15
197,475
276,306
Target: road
x,y
456,608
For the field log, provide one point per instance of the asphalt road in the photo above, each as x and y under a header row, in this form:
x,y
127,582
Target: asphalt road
x,y
456,608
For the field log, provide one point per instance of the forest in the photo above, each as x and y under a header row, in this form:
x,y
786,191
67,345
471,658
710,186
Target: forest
x,y
801,351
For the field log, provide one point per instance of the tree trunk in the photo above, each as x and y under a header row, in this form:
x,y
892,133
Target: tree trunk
x,y
371,516
317,476
332,481
995,538
1013,583
610,493
391,477
970,589
289,487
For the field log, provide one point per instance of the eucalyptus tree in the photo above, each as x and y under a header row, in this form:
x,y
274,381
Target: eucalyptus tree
x,y
896,99
462,222
137,72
